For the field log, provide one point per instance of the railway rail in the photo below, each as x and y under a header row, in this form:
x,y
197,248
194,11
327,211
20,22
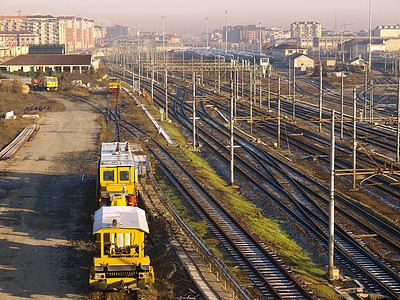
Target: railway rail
x,y
24,136
365,261
382,278
267,274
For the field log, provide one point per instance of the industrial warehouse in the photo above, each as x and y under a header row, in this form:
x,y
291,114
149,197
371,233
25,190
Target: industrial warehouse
x,y
42,62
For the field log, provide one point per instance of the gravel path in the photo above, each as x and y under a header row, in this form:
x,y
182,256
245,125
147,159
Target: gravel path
x,y
45,222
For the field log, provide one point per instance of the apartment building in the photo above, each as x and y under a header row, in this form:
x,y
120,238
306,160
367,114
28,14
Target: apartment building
x,y
75,33
247,34
18,38
117,30
305,30
79,33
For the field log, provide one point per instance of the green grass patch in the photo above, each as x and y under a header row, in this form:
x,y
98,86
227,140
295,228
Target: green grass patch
x,y
253,217
200,227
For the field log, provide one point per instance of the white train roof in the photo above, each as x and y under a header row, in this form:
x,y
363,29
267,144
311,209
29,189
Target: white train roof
x,y
110,156
129,217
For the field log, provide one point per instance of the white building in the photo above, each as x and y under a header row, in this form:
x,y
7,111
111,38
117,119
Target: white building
x,y
301,61
387,31
282,51
305,30
362,48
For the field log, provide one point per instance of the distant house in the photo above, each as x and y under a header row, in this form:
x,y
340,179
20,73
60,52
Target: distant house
x,y
281,52
47,62
301,61
328,61
363,46
359,64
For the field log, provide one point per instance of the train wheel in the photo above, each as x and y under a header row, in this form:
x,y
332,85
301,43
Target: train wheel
x,y
103,285
141,284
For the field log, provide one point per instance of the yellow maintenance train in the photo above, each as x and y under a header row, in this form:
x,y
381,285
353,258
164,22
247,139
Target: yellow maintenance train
x,y
48,83
114,85
117,177
120,261
119,225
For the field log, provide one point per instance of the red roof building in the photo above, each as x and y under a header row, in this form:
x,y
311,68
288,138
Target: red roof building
x,y
46,62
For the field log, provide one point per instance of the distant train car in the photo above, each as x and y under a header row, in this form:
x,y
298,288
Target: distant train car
x,y
46,83
118,171
120,261
50,83
114,85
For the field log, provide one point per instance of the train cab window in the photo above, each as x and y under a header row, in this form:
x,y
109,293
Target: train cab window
x,y
98,244
107,243
108,176
124,175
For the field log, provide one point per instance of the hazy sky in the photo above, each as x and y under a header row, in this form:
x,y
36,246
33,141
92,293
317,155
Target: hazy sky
x,y
189,16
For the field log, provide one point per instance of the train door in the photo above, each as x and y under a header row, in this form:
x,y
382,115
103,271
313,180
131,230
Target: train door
x,y
107,176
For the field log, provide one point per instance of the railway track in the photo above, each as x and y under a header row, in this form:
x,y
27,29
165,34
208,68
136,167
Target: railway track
x,y
189,238
253,256
377,274
349,244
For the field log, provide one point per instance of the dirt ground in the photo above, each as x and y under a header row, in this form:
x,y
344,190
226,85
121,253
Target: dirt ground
x,y
42,217
47,199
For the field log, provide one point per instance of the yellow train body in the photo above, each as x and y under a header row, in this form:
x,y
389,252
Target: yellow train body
x,y
50,83
117,175
120,260
114,85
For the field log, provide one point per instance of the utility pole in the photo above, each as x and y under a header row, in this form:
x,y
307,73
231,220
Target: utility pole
x,y
341,107
289,79
278,142
370,36
226,32
138,35
332,201
231,128
269,91
139,71
398,124
294,92
206,32
260,91
152,81
166,94
251,98
354,137
259,23
123,68
242,79
133,76
365,92
194,111
236,94
320,97
163,37
371,101
219,80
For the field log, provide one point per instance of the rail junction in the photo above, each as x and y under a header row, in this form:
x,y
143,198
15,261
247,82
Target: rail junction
x,y
205,113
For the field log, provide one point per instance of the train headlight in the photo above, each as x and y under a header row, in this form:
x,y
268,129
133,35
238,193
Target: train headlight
x,y
143,275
